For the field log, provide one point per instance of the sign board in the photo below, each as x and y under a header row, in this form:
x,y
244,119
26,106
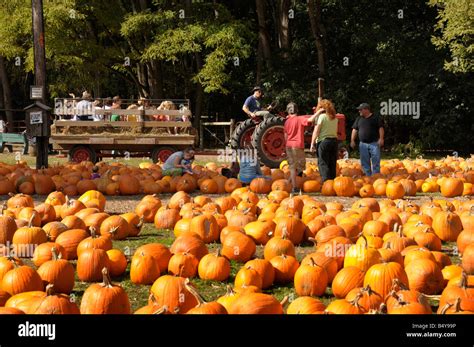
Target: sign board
x,y
36,92
36,117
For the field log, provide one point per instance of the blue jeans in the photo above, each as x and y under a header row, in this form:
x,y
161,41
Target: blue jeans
x,y
370,157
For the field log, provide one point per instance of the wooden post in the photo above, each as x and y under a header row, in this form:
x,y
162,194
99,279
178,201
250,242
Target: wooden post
x,y
42,142
320,88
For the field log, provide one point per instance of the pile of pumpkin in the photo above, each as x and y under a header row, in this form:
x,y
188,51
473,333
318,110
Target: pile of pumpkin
x,y
451,176
378,256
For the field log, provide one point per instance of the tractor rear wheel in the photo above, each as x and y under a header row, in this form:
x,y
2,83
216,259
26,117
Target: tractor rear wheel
x,y
242,135
269,141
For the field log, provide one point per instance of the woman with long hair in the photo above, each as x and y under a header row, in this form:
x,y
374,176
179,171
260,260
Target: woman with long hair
x,y
325,137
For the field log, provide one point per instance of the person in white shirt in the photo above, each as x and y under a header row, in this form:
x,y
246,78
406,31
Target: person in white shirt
x,y
85,108
3,126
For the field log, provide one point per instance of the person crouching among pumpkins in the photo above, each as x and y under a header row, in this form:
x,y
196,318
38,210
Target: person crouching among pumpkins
x,y
179,163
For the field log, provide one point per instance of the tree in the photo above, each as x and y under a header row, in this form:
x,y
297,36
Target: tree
x,y
455,31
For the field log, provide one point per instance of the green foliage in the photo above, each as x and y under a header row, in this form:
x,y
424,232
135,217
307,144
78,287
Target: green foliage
x,y
455,31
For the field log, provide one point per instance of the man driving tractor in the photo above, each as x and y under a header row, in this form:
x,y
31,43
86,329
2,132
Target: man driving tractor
x,y
252,105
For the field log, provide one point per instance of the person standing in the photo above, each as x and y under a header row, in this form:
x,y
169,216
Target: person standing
x,y
294,140
325,137
369,127
252,105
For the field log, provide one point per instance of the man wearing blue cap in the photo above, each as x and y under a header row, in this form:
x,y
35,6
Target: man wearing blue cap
x,y
369,128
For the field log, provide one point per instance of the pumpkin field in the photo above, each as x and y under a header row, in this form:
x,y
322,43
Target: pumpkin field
x,y
135,241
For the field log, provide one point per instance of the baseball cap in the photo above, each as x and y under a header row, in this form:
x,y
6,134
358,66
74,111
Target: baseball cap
x,y
256,88
363,105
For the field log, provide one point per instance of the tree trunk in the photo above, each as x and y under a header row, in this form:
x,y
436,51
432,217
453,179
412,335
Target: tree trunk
x,y
199,95
263,35
258,75
7,95
283,27
155,79
319,33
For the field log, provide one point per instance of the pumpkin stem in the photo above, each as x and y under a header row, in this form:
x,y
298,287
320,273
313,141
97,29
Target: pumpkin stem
x,y
54,253
50,289
30,222
284,232
313,240
140,223
161,310
93,231
194,292
285,301
107,281
446,308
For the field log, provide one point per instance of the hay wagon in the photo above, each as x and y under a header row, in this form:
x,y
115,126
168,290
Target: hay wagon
x,y
139,132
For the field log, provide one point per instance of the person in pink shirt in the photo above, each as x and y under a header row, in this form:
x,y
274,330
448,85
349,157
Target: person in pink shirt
x,y
294,139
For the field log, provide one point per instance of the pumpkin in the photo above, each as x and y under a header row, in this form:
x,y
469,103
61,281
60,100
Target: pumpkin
x,y
260,231
292,227
43,252
305,305
346,280
117,262
261,185
20,200
380,277
93,196
465,238
128,185
311,279
183,264
232,184
361,256
7,229
105,298
74,222
21,279
70,207
47,213
171,291
90,264
190,243
255,303
417,253
238,246
58,272
447,225
206,227
144,269
95,220
451,187
214,267
166,218
147,208
285,268
265,269
202,306
53,303
394,190
462,292
468,259
70,240
247,276
424,276
95,241
369,299
328,233
342,306
116,226
407,302
26,238
344,186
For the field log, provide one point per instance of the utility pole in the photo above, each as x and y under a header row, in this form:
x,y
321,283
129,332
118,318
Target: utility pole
x,y
42,142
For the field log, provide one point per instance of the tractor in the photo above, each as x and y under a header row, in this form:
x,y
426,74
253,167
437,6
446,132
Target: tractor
x,y
268,138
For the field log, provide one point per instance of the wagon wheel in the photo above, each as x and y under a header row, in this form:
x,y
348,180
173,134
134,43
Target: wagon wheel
x,y
269,141
160,154
79,154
